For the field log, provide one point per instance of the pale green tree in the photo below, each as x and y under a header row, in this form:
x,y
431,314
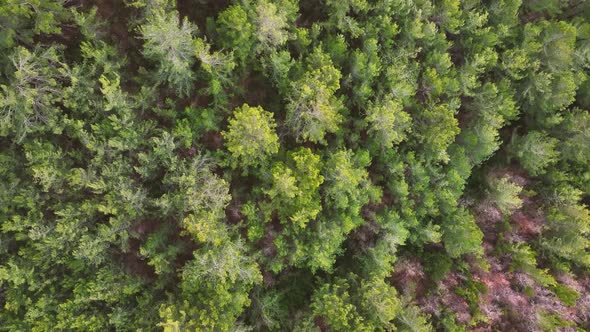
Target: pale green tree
x,y
313,110
168,41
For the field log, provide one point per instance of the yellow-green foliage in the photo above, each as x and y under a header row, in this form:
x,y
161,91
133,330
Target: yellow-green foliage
x,y
294,165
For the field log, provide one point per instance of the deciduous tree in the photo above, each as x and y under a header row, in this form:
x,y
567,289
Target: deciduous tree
x,y
251,138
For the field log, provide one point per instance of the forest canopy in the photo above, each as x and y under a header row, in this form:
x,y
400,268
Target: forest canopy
x,y
294,165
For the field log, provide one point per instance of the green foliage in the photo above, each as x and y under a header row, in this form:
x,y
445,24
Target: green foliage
x,y
574,137
197,191
365,68
271,25
436,130
332,303
558,39
236,31
412,319
462,236
380,258
312,109
567,295
29,101
492,106
379,303
260,27
388,123
140,191
22,21
223,275
169,42
159,253
346,180
504,194
277,68
437,265
449,324
217,69
251,138
568,224
524,259
551,322
269,309
535,151
295,188
344,305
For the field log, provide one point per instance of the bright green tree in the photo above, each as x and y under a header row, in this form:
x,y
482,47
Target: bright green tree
x,y
295,187
388,123
251,138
